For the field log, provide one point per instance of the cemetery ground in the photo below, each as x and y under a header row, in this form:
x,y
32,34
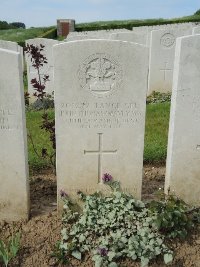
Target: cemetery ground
x,y
40,234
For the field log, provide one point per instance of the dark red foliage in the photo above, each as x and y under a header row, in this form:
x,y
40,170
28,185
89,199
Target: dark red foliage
x,y
38,60
39,84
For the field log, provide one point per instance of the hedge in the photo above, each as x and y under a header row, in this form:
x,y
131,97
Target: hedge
x,y
129,24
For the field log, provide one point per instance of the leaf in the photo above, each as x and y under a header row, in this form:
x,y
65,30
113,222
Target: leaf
x,y
15,244
76,254
81,238
4,253
111,255
144,262
168,258
112,264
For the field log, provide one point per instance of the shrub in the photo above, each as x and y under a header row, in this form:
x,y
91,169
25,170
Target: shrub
x,y
157,97
46,103
172,218
197,12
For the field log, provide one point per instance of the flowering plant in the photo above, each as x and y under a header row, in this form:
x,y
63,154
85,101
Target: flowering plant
x,y
111,227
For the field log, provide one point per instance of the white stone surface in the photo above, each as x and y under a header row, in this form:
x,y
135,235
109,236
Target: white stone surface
x,y
13,46
140,38
101,34
100,95
175,26
196,30
161,62
47,69
81,37
14,186
183,157
183,27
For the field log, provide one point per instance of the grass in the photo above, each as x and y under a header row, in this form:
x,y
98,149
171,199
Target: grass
x,y
40,139
157,120
156,132
20,35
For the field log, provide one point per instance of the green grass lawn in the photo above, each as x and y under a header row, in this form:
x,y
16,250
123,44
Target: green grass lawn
x,y
20,35
40,139
156,132
157,119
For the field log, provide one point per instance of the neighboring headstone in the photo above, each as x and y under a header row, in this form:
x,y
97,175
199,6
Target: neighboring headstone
x,y
100,95
161,63
65,26
183,156
101,34
196,30
13,46
46,70
130,37
80,37
183,27
14,183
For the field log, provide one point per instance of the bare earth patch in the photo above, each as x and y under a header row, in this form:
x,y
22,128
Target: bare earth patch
x,y
40,233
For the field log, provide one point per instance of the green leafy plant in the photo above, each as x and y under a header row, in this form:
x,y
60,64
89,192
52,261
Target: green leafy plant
x,y
157,97
172,216
9,251
111,227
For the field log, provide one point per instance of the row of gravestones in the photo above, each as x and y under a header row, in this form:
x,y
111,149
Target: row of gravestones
x,y
161,44
100,96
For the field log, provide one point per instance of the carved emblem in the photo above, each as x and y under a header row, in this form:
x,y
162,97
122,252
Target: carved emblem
x,y
167,40
100,74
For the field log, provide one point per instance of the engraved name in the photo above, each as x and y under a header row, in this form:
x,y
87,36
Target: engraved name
x,y
8,120
100,115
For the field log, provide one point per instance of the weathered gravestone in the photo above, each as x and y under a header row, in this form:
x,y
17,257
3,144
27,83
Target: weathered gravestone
x,y
161,63
71,38
184,28
183,157
13,46
100,89
140,38
47,69
14,187
196,30
101,34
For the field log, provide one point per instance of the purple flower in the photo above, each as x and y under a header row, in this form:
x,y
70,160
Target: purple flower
x,y
107,178
103,252
63,193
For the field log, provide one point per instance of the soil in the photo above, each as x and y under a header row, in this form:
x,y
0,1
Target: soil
x,y
40,233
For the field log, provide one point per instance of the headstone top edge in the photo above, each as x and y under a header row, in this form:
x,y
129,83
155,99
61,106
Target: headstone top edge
x,y
9,51
69,43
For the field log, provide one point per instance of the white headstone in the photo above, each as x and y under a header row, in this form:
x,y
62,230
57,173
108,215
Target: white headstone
x,y
47,69
101,34
140,38
14,186
13,46
100,94
196,30
161,63
185,28
80,37
183,157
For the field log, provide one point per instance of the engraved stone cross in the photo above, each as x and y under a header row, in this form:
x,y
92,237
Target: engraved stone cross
x,y
165,70
100,153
